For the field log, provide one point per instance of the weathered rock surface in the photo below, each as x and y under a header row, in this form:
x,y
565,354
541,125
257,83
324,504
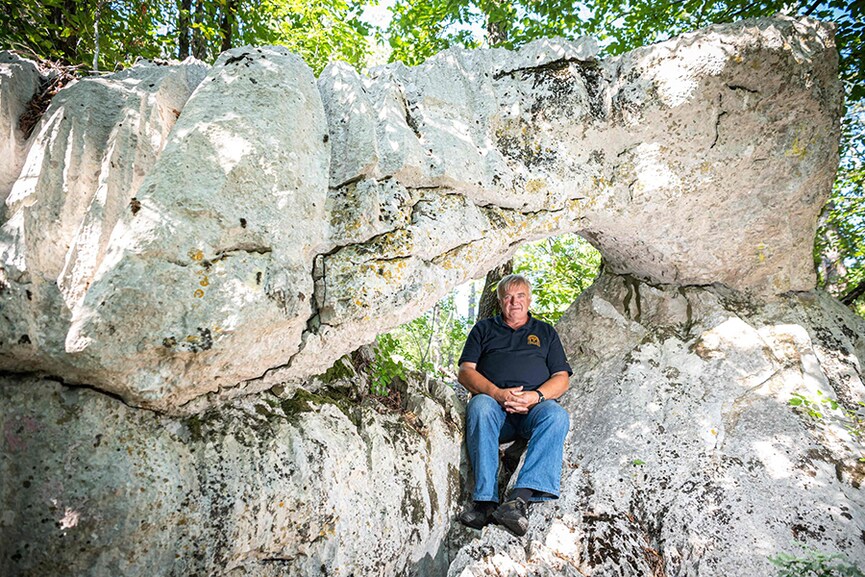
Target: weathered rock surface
x,y
88,158
265,486
19,81
278,225
685,456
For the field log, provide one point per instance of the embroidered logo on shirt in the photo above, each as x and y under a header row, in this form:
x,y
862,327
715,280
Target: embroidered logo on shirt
x,y
533,340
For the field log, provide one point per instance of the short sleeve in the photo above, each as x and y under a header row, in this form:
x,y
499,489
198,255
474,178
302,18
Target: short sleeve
x,y
556,360
472,349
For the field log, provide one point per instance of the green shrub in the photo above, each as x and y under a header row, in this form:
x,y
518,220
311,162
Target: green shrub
x,y
814,563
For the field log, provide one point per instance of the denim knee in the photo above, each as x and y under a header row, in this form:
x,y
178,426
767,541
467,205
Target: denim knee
x,y
554,416
482,407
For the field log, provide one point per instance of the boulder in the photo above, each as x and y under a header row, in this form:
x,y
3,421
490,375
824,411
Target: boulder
x,y
710,432
280,223
20,80
88,157
272,484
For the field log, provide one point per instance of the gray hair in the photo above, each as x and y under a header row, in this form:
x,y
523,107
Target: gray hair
x,y
509,281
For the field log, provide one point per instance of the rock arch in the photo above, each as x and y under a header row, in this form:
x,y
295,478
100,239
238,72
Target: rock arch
x,y
180,234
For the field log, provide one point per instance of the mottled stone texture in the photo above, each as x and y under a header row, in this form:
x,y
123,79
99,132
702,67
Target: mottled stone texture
x,y
178,239
19,82
685,456
269,485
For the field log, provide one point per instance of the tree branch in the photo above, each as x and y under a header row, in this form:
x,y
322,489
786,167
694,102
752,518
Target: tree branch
x,y
812,7
857,291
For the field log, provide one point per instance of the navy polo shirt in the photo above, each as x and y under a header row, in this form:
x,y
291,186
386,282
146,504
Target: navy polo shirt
x,y
525,357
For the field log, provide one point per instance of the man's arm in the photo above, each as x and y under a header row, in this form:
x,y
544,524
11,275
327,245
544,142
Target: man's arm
x,y
477,384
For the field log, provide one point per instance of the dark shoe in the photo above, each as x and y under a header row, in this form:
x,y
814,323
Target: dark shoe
x,y
477,517
514,515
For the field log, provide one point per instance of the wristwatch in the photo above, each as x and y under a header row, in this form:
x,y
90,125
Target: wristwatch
x,y
541,397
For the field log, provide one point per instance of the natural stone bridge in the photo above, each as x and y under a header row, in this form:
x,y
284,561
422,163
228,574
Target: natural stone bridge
x,y
208,242
183,230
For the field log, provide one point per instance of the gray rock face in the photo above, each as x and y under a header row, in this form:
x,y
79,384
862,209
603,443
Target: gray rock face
x,y
19,81
276,225
685,456
87,160
269,485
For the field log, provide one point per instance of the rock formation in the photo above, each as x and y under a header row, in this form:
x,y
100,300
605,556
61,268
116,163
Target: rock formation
x,y
685,456
266,485
207,242
172,237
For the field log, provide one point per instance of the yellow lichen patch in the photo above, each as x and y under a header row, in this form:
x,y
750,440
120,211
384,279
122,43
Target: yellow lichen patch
x,y
196,255
198,293
204,281
536,185
798,149
761,253
191,339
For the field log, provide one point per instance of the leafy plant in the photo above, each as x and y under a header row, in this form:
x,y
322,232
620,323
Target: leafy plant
x,y
811,407
105,34
854,422
560,268
432,343
387,364
814,563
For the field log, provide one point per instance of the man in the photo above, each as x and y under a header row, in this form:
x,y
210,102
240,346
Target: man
x,y
515,368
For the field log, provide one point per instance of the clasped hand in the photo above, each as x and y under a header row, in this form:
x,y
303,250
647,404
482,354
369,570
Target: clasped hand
x,y
518,401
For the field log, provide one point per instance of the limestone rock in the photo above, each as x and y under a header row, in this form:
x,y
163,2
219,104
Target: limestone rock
x,y
19,82
208,260
674,160
280,223
685,453
269,485
89,155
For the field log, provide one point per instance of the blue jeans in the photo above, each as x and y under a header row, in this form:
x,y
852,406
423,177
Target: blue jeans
x,y
488,425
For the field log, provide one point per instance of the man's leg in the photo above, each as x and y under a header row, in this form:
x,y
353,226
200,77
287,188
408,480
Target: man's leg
x,y
484,420
546,426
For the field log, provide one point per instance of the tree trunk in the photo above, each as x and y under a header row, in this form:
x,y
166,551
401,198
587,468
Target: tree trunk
x,y
68,45
831,267
489,305
201,16
497,32
183,22
227,24
96,17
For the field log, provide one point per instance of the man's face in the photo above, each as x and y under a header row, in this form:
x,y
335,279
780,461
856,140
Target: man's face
x,y
515,303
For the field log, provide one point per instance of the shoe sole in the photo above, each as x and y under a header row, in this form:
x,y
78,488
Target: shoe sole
x,y
479,524
514,525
